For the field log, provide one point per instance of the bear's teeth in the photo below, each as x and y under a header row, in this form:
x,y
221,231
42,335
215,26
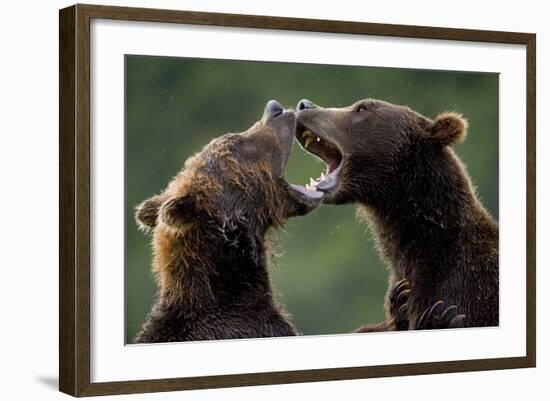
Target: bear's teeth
x,y
318,139
312,182
307,141
306,133
322,176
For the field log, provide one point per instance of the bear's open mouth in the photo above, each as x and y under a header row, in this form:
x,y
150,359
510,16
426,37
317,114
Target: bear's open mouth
x,y
327,152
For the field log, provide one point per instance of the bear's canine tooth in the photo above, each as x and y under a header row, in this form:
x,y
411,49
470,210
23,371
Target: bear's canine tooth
x,y
318,139
312,182
307,141
306,133
322,176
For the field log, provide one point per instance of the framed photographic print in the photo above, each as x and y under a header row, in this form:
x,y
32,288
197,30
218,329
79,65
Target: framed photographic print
x,y
251,200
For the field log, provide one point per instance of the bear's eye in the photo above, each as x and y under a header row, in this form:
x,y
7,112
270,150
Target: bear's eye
x,y
362,107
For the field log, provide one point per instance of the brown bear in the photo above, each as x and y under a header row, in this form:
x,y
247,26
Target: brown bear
x,y
417,197
209,236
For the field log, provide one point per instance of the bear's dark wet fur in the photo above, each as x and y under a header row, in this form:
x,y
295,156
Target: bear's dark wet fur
x,y
417,197
209,231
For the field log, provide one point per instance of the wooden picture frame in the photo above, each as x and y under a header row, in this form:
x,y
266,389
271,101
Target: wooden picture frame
x,y
74,203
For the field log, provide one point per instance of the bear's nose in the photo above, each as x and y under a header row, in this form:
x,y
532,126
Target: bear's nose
x,y
305,104
273,109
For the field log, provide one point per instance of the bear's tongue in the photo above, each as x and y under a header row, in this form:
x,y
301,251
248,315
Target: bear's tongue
x,y
307,191
332,165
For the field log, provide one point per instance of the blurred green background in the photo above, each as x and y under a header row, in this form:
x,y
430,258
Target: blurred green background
x,y
328,274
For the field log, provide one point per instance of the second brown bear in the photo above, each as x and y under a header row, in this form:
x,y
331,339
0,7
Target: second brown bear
x,y
416,195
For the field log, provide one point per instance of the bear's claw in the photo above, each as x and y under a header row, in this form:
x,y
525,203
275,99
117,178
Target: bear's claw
x,y
399,307
439,317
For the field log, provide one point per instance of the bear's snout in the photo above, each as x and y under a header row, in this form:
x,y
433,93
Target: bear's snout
x,y
305,104
273,109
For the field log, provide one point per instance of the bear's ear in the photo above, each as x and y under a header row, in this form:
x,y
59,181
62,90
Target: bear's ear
x,y
147,212
448,128
178,211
